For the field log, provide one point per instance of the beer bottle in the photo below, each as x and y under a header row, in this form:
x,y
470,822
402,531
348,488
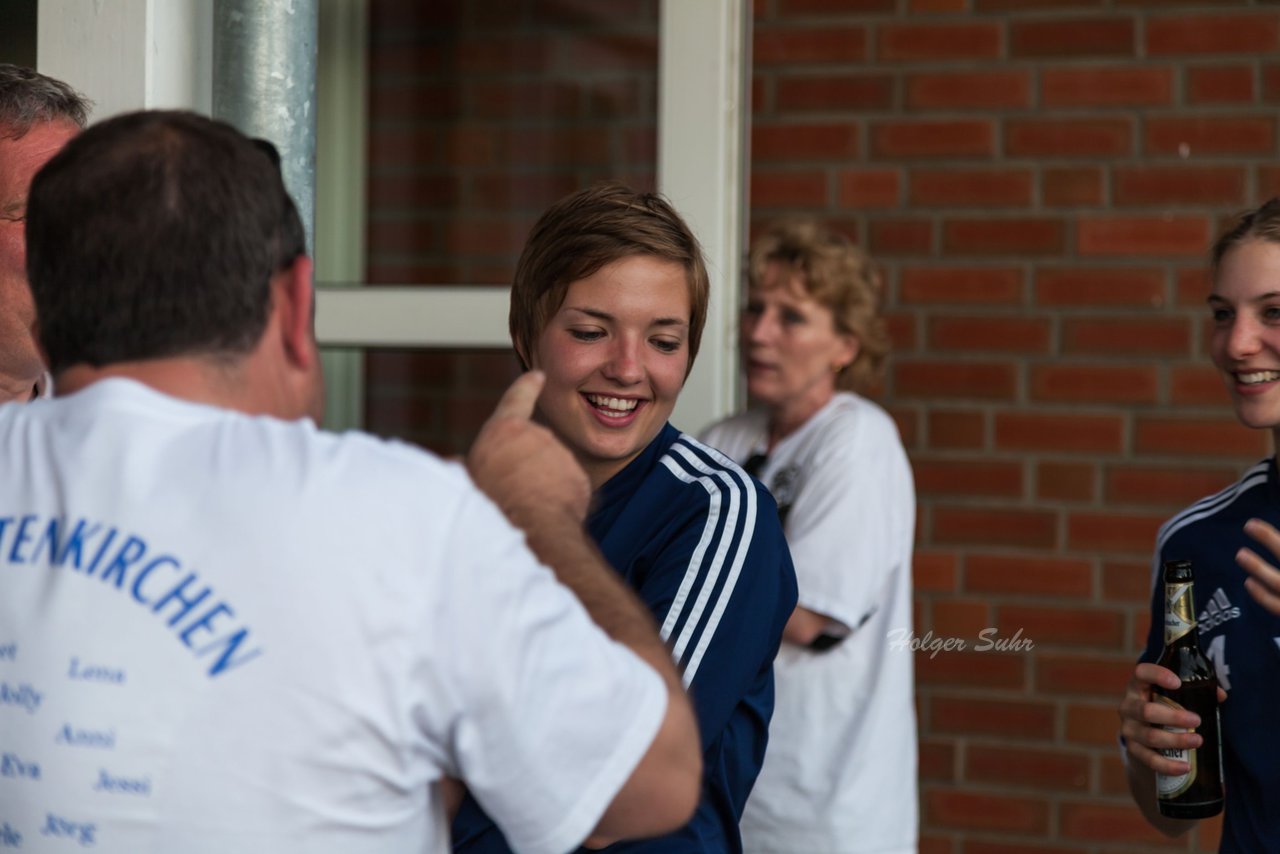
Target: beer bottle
x,y
1197,793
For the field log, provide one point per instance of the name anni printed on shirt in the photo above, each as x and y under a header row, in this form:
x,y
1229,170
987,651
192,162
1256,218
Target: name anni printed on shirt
x,y
125,563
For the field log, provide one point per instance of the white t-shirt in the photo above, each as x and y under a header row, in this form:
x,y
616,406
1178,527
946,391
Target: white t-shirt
x,y
840,773
223,633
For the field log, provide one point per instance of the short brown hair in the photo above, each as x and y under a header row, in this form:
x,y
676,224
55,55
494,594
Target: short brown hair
x,y
1262,222
587,230
155,234
840,276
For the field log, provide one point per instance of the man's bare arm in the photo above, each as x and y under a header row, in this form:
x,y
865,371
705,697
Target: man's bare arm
x,y
537,483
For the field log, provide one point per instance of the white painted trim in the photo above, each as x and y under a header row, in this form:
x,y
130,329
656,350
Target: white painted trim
x,y
703,110
702,156
407,316
130,54
180,55
342,124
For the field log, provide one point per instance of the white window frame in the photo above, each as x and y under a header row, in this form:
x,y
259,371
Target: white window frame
x,y
703,113
703,110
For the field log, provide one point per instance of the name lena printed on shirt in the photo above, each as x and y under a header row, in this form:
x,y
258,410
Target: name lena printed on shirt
x,y
84,672
124,562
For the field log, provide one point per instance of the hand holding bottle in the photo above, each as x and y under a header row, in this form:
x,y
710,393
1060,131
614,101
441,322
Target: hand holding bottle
x,y
1146,725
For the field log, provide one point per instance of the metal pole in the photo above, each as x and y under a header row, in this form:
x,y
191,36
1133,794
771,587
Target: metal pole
x,y
264,83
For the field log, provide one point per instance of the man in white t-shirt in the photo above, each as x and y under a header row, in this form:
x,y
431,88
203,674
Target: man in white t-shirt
x,y
224,630
38,114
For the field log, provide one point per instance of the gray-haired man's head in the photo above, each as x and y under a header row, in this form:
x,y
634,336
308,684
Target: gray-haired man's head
x,y
38,114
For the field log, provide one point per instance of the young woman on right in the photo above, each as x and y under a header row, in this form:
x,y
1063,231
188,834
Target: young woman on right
x,y
1238,624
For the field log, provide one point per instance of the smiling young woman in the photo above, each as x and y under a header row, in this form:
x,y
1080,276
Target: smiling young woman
x,y
1245,304
1220,535
609,300
615,355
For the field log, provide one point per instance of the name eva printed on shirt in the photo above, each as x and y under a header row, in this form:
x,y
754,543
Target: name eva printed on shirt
x,y
16,767
988,639
125,563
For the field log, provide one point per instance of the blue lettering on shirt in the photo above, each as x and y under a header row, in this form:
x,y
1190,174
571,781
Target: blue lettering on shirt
x,y
108,782
75,542
191,608
229,645
49,539
163,560
185,599
20,539
9,838
103,739
22,695
102,549
58,827
16,768
8,652
94,672
129,554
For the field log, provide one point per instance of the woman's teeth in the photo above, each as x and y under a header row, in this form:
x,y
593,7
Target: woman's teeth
x,y
616,404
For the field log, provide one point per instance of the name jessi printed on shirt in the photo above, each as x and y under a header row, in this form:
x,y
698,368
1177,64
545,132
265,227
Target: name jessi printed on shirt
x,y
988,640
125,563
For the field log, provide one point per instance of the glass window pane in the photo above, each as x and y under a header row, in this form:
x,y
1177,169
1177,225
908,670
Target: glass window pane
x,y
435,398
482,113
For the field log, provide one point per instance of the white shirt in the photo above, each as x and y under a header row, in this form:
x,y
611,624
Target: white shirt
x,y
223,633
840,771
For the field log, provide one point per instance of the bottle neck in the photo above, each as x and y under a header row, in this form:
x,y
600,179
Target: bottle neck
x,y
1179,614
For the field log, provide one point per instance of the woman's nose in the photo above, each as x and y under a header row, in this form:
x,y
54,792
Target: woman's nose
x,y
757,327
624,364
1242,339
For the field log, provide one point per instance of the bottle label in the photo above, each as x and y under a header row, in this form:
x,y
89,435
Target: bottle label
x,y
1179,618
1171,785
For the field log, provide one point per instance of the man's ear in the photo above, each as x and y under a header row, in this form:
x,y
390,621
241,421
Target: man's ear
x,y
295,293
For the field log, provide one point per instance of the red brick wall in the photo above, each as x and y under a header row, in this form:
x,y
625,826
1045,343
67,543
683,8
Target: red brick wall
x,y
482,113
1039,179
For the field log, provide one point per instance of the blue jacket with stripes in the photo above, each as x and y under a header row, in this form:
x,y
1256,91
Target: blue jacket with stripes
x,y
1243,640
700,542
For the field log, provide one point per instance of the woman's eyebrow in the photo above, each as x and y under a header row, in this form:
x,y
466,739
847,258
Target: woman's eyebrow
x,y
604,315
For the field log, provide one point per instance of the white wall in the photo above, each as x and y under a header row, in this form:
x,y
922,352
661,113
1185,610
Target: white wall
x,y
130,54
